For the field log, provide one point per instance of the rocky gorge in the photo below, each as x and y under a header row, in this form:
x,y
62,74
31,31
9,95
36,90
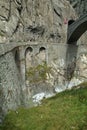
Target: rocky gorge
x,y
35,59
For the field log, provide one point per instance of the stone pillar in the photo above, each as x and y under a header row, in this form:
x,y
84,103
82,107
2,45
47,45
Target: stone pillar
x,y
22,63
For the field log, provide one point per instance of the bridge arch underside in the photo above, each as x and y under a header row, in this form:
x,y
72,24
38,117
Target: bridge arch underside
x,y
77,32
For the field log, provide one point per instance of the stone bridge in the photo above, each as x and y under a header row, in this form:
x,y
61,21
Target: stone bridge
x,y
76,29
19,51
14,63
16,57
53,51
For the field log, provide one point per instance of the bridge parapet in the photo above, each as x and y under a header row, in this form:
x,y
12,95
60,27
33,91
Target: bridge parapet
x,y
4,48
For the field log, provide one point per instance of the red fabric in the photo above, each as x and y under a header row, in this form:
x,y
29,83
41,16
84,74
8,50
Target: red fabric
x,y
65,21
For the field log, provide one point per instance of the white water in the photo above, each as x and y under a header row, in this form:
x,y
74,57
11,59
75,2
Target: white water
x,y
39,96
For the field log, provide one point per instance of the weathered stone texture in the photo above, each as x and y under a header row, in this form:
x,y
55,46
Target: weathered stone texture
x,y
79,5
9,82
39,20
68,68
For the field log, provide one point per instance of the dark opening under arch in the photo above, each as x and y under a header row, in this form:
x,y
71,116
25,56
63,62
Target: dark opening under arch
x,y
29,49
17,58
76,29
77,32
28,62
42,49
71,21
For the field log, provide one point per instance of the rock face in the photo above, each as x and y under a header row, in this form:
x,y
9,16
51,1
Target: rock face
x,y
44,22
79,5
38,20
10,87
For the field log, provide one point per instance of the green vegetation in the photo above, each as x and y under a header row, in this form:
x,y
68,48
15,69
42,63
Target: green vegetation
x,y
38,73
83,85
2,34
65,111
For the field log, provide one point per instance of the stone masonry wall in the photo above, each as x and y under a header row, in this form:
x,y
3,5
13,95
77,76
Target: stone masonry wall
x,y
65,67
10,85
34,20
38,21
62,69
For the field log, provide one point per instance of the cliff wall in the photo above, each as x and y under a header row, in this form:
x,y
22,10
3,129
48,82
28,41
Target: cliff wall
x,y
80,6
44,22
38,20
10,84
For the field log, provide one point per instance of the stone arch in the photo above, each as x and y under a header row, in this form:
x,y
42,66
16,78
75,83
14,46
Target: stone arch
x,y
28,57
76,29
28,49
42,54
28,62
42,49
